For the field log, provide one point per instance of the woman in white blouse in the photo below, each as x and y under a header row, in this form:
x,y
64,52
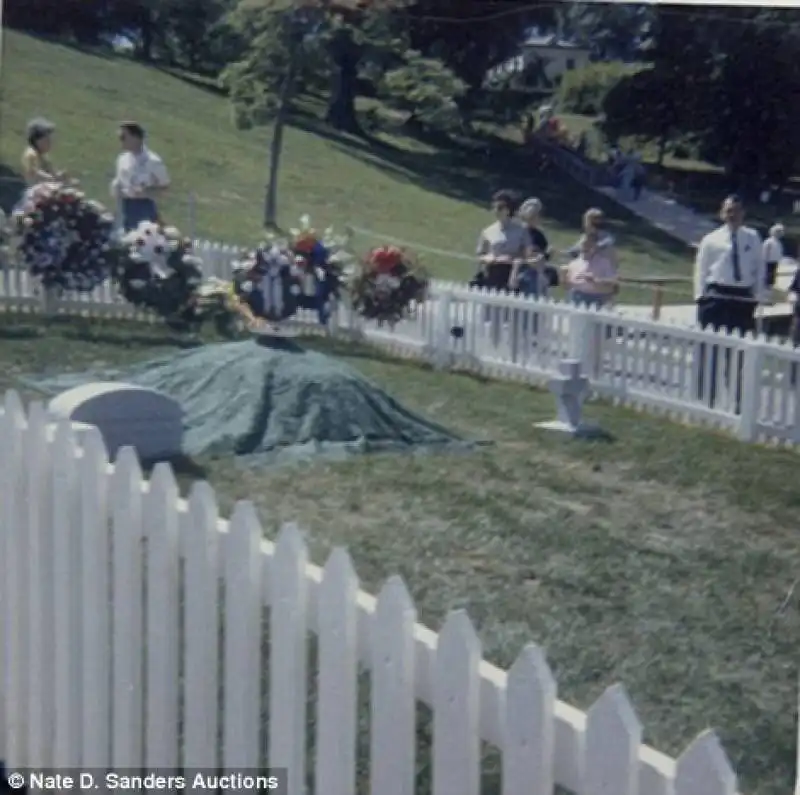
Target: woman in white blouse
x,y
503,246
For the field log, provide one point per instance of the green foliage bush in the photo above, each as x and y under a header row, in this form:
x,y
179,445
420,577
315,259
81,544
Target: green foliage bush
x,y
583,91
426,90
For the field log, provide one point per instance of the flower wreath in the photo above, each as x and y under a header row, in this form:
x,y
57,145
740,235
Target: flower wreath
x,y
156,271
64,239
317,262
387,285
267,284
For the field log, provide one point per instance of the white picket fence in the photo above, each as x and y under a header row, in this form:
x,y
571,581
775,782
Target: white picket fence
x,y
115,594
651,366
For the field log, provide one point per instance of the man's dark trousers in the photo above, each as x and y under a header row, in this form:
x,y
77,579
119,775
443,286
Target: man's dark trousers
x,y
731,308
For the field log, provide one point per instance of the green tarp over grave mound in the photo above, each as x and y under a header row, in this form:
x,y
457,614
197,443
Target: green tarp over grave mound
x,y
272,402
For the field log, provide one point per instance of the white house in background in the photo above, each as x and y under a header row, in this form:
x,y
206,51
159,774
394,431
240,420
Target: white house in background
x,y
550,55
558,55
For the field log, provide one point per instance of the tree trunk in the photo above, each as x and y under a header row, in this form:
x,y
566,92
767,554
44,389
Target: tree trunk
x,y
341,113
276,147
148,35
662,147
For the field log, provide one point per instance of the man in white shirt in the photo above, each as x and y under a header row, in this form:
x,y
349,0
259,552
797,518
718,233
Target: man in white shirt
x,y
730,273
141,177
773,252
729,283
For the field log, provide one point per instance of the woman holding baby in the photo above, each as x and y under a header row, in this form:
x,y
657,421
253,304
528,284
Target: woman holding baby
x,y
592,277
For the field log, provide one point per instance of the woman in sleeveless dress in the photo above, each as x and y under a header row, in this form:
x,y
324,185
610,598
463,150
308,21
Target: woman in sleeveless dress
x,y
36,165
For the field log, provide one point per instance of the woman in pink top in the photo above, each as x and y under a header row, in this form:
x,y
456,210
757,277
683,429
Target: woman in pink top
x,y
592,277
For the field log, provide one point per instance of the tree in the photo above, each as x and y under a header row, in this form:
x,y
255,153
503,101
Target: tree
x,y
426,90
644,105
610,30
345,42
734,84
86,21
472,36
262,85
197,35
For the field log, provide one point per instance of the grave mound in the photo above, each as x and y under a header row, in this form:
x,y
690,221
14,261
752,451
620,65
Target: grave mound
x,y
270,401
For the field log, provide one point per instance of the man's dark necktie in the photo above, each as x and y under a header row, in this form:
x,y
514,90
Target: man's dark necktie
x,y
737,271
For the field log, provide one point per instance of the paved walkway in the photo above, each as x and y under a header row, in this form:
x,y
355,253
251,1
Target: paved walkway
x,y
666,214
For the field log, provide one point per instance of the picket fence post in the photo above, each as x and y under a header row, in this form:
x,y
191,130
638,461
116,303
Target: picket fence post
x,y
95,607
288,664
163,604
39,575
456,708
440,355
15,607
703,769
529,741
754,353
201,645
66,552
242,640
392,749
50,297
582,343
613,737
338,669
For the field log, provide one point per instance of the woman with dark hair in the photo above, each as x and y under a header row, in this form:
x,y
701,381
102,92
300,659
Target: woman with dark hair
x,y
502,246
36,166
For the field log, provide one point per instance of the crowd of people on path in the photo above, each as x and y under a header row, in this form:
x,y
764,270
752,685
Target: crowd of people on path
x,y
140,176
514,255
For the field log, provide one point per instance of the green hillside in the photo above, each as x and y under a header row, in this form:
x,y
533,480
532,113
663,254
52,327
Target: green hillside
x,y
396,186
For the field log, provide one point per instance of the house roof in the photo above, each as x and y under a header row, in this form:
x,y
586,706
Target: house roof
x,y
552,40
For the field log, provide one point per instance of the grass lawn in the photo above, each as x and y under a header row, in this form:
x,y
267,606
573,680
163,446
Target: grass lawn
x,y
395,185
664,559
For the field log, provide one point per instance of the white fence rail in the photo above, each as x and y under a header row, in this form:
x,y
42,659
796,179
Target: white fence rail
x,y
126,611
747,386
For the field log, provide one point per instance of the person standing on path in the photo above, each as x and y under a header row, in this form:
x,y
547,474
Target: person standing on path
x,y
141,177
773,252
729,283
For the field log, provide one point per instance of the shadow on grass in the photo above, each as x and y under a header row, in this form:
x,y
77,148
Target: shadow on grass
x,y
20,332
88,334
183,467
207,84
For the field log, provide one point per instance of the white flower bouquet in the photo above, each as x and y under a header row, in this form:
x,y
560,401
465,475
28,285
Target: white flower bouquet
x,y
156,270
